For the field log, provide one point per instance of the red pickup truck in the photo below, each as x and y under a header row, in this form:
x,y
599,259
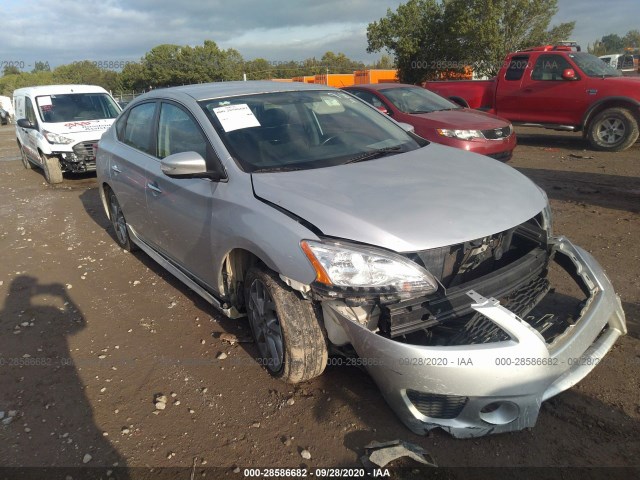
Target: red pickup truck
x,y
558,88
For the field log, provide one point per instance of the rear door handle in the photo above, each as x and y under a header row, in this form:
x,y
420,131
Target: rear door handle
x,y
154,187
116,169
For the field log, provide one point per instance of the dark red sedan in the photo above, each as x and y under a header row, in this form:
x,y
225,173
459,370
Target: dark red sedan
x,y
440,120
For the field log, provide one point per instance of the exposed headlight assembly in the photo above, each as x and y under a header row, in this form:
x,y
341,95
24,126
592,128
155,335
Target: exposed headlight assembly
x,y
349,266
460,134
56,138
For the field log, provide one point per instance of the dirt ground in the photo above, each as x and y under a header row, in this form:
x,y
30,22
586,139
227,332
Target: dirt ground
x,y
89,335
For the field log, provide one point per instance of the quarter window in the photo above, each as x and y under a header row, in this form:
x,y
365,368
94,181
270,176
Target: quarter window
x,y
139,127
178,132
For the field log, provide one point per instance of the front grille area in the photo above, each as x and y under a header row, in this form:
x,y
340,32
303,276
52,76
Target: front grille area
x,y
437,406
84,150
497,133
496,266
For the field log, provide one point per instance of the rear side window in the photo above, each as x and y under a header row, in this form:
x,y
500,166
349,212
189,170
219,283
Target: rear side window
x,y
178,132
138,129
516,68
549,68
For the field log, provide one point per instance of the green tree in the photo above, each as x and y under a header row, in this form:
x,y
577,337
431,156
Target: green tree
x,y
613,43
428,37
632,39
10,70
41,67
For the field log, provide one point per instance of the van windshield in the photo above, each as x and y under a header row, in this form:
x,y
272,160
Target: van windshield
x,y
73,107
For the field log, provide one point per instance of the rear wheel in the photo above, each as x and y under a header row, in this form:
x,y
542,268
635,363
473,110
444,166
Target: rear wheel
x,y
25,160
52,170
286,328
119,223
613,130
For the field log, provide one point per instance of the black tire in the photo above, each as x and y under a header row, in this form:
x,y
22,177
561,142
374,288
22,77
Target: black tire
x,y
303,346
119,223
613,130
52,170
25,160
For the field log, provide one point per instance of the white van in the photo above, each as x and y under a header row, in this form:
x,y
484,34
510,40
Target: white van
x,y
57,126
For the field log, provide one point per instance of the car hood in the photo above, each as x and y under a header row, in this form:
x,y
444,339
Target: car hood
x,y
463,119
430,197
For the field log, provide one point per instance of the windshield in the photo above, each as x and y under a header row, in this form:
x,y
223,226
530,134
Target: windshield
x,y
417,100
303,130
75,107
593,66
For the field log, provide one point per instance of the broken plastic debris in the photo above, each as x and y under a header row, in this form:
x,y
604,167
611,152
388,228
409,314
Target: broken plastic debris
x,y
380,454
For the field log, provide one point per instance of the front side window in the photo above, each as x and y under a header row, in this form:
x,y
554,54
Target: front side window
x,y
178,132
29,112
303,129
76,107
139,127
368,97
549,68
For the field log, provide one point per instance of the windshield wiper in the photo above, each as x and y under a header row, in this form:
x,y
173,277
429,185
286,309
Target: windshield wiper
x,y
380,152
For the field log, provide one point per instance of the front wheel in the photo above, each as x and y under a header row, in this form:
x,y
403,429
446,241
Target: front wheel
x,y
613,130
25,160
119,223
52,170
286,328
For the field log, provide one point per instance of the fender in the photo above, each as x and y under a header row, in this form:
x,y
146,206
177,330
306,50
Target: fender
x,y
616,100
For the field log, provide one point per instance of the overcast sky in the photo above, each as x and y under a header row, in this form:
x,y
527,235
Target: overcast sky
x,y
62,31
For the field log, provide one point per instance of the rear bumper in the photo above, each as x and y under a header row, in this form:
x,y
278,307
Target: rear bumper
x,y
474,390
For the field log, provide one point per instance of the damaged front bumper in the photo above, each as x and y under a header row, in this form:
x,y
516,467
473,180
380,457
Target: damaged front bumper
x,y
478,389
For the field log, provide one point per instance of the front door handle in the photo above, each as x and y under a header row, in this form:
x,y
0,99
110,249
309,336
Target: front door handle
x,y
116,169
154,187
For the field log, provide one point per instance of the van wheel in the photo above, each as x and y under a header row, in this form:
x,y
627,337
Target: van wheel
x,y
52,170
286,328
613,130
25,160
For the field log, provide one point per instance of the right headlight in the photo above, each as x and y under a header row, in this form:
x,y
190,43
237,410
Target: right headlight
x,y
344,265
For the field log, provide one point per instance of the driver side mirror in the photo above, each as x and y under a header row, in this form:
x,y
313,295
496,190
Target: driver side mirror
x,y
569,74
24,123
382,109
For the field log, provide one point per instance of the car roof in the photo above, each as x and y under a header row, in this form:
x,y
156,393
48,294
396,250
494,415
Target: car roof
x,y
206,91
381,86
58,89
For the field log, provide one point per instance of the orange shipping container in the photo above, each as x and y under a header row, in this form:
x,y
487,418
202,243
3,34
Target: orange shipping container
x,y
375,76
305,79
336,79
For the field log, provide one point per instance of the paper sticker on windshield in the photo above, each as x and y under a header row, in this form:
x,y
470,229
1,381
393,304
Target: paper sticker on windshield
x,y
235,117
44,101
332,102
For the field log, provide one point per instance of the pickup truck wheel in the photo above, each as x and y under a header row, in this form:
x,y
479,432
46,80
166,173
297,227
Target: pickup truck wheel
x,y
52,170
119,223
286,328
613,130
25,160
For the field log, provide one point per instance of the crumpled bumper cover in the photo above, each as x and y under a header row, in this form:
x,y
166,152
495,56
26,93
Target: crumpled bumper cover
x,y
475,390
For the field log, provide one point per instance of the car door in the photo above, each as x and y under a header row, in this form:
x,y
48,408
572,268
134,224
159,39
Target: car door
x,y
132,158
181,208
29,136
545,97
